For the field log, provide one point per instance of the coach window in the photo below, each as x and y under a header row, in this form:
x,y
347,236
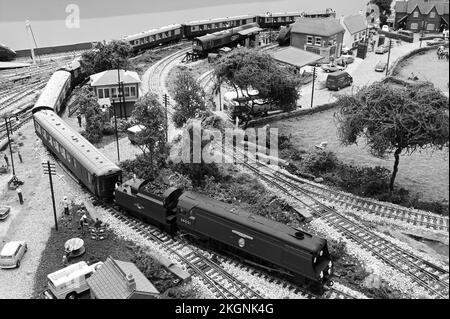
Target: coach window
x,y
172,32
209,26
283,19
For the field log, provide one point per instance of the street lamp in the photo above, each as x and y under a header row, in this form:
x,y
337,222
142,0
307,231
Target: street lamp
x,y
8,120
269,14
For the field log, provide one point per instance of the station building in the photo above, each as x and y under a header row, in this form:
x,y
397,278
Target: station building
x,y
422,15
106,86
321,36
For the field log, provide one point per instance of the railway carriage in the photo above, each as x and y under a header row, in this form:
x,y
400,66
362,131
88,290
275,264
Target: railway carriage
x,y
305,257
76,74
87,163
276,20
201,27
152,38
55,92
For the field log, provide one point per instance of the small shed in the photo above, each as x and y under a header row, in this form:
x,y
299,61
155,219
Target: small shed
x,y
117,279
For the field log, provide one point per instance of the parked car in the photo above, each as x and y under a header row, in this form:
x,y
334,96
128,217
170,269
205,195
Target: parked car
x,y
12,253
436,41
338,80
385,28
380,67
346,50
132,131
382,49
345,58
4,212
329,68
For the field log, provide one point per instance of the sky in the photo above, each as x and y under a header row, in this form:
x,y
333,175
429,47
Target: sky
x,y
112,19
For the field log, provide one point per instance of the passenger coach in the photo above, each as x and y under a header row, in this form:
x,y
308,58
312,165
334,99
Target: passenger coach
x,y
54,93
88,164
152,38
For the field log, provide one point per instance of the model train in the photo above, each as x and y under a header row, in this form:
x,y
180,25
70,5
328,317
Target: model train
x,y
83,159
194,29
300,255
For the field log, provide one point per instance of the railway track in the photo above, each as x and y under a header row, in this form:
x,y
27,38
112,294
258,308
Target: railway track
x,y
432,277
345,201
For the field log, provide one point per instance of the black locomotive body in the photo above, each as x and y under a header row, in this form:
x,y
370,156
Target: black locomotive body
x,y
132,197
302,256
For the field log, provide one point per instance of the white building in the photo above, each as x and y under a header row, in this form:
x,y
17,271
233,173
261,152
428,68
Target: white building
x,y
355,29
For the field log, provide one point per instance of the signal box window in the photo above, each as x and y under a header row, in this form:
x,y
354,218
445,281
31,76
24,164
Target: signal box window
x,y
318,41
100,93
309,39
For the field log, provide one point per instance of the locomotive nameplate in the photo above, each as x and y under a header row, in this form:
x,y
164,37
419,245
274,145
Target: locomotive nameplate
x,y
186,221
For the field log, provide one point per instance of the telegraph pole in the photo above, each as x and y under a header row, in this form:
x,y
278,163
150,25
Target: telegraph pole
x,y
117,134
314,80
389,55
8,120
166,103
49,169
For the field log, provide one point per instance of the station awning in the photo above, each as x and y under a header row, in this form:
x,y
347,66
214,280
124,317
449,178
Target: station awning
x,y
250,31
296,57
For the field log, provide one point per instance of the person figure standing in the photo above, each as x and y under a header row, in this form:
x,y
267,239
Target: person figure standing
x,y
20,156
6,160
66,205
19,193
79,119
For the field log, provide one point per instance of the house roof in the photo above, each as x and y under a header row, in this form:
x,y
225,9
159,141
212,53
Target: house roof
x,y
442,6
110,280
109,77
296,57
317,26
355,23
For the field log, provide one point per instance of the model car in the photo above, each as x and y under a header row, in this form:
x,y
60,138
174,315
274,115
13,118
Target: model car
x,y
4,212
12,253
330,68
345,58
436,41
380,67
385,28
382,49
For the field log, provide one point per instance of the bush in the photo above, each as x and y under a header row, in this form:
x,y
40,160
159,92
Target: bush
x,y
141,166
320,162
93,136
337,249
108,129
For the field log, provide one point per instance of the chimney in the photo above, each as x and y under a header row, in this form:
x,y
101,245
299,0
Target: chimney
x,y
131,283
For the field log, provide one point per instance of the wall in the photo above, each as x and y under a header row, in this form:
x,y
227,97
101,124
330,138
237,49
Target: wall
x,y
58,49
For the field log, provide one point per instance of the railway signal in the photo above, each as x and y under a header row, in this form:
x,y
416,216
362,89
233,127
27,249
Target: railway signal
x,y
50,169
314,80
166,103
389,55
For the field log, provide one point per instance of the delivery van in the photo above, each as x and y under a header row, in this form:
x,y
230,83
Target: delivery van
x,y
338,80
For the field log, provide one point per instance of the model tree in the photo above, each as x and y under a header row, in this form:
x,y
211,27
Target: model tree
x,y
247,71
149,113
88,106
385,9
394,119
106,56
189,98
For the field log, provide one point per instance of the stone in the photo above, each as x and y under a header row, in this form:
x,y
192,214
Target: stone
x,y
372,282
318,180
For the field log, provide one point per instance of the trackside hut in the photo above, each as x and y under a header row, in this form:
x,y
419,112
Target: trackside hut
x,y
296,57
322,36
105,85
117,279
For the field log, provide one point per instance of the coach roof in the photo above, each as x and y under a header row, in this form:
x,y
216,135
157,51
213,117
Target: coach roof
x,y
81,149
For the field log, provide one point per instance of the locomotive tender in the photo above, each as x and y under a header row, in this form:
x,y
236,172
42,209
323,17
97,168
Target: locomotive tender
x,y
302,256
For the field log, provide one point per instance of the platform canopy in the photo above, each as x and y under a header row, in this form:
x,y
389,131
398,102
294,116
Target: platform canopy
x,y
250,31
296,57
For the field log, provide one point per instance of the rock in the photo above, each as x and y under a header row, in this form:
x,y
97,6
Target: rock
x,y
318,180
372,282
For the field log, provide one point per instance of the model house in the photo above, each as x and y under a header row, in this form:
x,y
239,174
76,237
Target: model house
x,y
355,29
322,36
422,15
